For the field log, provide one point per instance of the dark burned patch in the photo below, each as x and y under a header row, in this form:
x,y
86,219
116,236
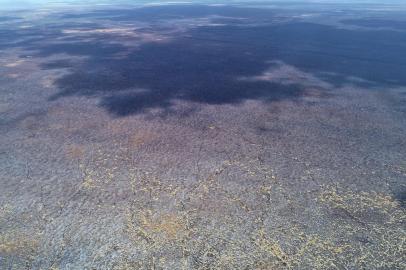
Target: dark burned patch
x,y
400,196
274,130
57,64
377,22
8,18
202,64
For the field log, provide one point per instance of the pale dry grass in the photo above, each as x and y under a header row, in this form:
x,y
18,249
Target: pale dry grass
x,y
75,151
18,242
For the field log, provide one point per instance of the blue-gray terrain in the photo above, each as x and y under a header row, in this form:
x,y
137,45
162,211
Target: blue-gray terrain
x,y
202,135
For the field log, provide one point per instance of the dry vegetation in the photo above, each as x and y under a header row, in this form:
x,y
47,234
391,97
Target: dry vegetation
x,y
311,180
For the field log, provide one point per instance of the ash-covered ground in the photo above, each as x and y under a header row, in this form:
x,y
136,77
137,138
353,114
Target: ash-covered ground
x,y
203,136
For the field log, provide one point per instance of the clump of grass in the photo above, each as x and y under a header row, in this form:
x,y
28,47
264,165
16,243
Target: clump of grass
x,y
18,247
17,242
156,228
75,151
357,202
378,218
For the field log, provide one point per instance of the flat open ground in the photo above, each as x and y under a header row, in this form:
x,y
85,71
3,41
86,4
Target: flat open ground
x,y
187,136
